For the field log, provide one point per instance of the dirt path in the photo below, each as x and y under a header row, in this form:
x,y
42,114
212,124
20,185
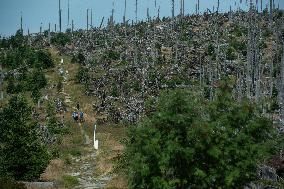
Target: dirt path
x,y
84,166
92,168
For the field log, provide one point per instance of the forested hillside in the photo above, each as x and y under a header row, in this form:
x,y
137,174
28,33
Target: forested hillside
x,y
188,101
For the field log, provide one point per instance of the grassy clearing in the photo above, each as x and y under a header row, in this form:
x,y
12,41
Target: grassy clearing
x,y
69,181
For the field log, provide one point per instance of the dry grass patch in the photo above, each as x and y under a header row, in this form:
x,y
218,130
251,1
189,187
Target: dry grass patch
x,y
53,171
118,182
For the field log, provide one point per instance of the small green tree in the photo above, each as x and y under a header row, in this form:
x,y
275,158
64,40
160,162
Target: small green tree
x,y
44,60
22,156
190,143
60,39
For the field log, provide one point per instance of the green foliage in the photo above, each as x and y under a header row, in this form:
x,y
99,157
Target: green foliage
x,y
230,54
44,59
190,143
9,184
239,31
267,32
35,94
22,156
32,80
36,80
112,55
17,40
210,49
52,123
239,46
82,76
81,58
70,181
60,39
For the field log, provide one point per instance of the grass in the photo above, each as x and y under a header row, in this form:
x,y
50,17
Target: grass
x,y
75,151
69,181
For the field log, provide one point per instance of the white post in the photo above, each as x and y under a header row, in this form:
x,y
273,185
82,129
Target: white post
x,y
96,142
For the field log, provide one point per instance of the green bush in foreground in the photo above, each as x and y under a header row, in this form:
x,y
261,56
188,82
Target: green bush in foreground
x,y
22,156
191,143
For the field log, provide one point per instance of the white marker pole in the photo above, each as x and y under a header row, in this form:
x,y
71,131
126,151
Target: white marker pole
x,y
96,142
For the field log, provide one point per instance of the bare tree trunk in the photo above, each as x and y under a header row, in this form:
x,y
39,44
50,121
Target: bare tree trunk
x,y
91,18
40,28
59,16
49,33
22,23
87,19
136,11
148,15
1,82
271,12
218,6
198,6
72,26
282,86
124,14
173,9
68,14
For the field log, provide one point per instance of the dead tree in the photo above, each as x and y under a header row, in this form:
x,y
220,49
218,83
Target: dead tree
x,y
102,21
68,13
180,11
282,86
271,12
87,19
148,15
59,11
72,26
183,8
253,57
218,6
1,82
111,20
173,9
198,6
49,32
159,13
136,10
21,23
124,15
91,18
40,29
249,54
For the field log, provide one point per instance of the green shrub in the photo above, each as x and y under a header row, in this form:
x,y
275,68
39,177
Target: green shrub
x,y
82,76
190,143
60,39
22,155
44,59
70,181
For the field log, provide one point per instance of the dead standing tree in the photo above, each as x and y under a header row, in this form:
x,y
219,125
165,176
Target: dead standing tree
x,y
87,19
253,74
60,12
1,82
173,9
282,86
68,14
